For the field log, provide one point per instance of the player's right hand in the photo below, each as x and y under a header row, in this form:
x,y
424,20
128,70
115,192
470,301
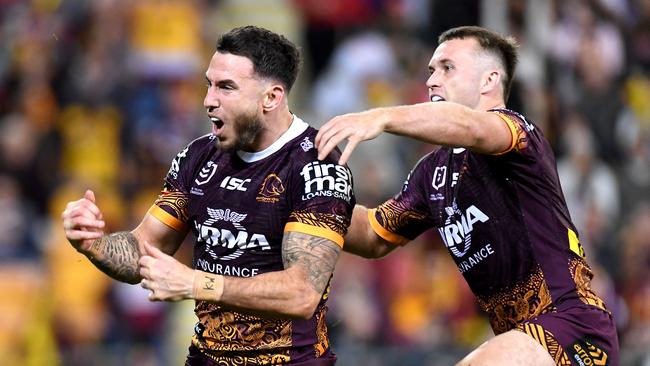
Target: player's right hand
x,y
83,222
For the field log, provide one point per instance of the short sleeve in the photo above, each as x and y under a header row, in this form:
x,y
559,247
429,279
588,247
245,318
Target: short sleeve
x,y
518,127
171,205
405,216
322,198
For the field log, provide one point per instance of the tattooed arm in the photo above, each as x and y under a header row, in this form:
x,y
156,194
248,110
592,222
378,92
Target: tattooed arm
x,y
117,254
295,291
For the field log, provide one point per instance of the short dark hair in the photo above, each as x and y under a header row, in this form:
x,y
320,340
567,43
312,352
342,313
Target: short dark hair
x,y
504,47
273,55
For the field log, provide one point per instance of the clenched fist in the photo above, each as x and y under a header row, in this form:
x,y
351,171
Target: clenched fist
x,y
83,222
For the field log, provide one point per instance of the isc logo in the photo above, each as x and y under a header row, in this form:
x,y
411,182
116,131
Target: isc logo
x,y
326,180
235,184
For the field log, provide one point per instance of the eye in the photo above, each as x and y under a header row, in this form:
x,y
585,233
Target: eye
x,y
448,67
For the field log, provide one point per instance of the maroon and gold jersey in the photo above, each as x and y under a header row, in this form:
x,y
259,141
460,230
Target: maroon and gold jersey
x,y
505,223
238,205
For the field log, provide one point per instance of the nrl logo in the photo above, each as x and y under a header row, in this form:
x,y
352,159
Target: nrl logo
x,y
206,173
439,177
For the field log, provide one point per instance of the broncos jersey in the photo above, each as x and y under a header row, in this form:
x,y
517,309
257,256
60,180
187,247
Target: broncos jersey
x,y
238,205
504,221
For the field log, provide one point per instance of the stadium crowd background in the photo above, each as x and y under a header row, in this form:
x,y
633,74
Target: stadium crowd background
x,y
102,94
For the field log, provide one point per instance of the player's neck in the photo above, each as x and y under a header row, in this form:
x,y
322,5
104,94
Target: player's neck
x,y
487,102
276,123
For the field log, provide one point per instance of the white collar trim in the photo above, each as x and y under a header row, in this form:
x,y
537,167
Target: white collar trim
x,y
297,127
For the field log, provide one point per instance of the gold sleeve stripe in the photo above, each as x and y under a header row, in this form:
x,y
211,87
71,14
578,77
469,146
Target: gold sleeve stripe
x,y
513,131
315,231
381,231
167,219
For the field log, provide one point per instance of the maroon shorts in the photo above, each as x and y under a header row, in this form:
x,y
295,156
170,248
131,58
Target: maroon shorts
x,y
581,335
197,358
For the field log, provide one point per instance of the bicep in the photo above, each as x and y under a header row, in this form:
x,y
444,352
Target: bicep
x,y
493,135
362,239
159,234
316,255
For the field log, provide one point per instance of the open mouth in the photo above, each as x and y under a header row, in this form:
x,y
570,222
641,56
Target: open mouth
x,y
217,122
437,98
217,125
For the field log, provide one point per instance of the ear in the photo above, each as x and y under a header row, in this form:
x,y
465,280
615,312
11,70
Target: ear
x,y
273,97
491,81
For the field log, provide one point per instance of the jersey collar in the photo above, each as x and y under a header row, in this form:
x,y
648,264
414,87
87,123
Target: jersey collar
x,y
297,127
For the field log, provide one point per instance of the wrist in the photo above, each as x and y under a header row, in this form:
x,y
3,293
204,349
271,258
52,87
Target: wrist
x,y
383,119
90,251
207,286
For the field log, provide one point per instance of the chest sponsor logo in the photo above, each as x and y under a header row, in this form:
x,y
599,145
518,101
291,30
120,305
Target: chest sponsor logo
x,y
271,189
230,242
206,173
176,163
235,184
457,232
326,180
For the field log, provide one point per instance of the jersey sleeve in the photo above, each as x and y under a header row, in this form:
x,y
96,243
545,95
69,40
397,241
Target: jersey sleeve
x,y
518,127
322,198
405,216
171,205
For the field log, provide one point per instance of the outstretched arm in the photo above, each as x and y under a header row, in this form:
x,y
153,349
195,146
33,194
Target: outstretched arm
x,y
116,254
440,123
295,291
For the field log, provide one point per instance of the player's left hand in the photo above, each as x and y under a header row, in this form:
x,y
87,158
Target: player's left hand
x,y
354,127
166,278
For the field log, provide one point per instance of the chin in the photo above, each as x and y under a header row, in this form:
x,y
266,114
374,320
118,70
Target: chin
x,y
226,145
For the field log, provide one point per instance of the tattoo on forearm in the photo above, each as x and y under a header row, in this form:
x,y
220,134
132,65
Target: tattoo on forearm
x,y
117,255
317,255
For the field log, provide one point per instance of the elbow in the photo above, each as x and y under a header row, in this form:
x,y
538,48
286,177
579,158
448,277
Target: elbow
x,y
308,307
132,280
380,251
305,303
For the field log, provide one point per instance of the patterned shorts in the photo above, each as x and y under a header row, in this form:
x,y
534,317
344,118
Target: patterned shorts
x,y
579,336
197,358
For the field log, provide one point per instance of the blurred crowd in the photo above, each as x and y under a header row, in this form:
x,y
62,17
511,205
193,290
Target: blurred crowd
x,y
102,95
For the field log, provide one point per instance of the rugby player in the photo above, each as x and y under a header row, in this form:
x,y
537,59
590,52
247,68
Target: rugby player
x,y
493,193
268,216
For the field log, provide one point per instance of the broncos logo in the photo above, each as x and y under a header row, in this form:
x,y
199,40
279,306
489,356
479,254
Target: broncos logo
x,y
271,188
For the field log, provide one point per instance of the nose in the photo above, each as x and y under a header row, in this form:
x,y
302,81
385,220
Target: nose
x,y
211,101
433,81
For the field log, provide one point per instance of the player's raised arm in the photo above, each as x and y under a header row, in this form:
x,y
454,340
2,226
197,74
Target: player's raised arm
x,y
440,123
116,254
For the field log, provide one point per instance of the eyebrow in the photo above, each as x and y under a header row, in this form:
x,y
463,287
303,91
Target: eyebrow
x,y
221,82
440,62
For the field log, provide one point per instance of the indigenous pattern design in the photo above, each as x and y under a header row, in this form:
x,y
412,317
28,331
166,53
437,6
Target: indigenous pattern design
x,y
239,205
